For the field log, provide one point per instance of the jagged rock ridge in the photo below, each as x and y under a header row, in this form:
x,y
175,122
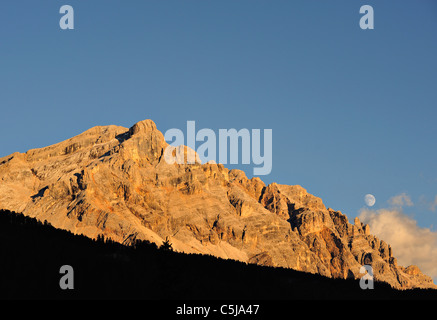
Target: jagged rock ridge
x,y
114,181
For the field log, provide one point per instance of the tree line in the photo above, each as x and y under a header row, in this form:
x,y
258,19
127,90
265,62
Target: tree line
x,y
32,253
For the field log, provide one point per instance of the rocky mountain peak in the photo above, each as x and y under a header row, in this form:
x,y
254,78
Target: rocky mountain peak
x,y
113,181
143,127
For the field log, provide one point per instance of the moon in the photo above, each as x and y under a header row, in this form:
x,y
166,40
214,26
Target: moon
x,y
369,199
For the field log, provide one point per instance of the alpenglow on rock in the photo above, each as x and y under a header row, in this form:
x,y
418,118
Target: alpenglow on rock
x,y
113,181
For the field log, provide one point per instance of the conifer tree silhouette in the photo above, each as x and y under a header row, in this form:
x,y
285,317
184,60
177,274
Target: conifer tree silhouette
x,y
166,245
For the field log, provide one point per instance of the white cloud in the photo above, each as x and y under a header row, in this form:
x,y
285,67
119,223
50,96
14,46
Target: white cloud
x,y
401,200
410,243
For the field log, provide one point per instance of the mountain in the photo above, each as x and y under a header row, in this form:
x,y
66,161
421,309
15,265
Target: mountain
x,y
114,181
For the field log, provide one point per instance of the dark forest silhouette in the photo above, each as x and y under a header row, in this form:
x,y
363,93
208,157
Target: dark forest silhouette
x,y
32,253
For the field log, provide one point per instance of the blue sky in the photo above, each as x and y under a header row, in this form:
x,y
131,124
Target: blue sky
x,y
352,111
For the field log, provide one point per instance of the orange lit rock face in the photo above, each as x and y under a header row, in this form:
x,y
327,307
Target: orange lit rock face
x,y
114,181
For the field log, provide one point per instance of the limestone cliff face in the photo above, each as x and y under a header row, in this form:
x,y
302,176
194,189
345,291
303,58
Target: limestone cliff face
x,y
114,181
